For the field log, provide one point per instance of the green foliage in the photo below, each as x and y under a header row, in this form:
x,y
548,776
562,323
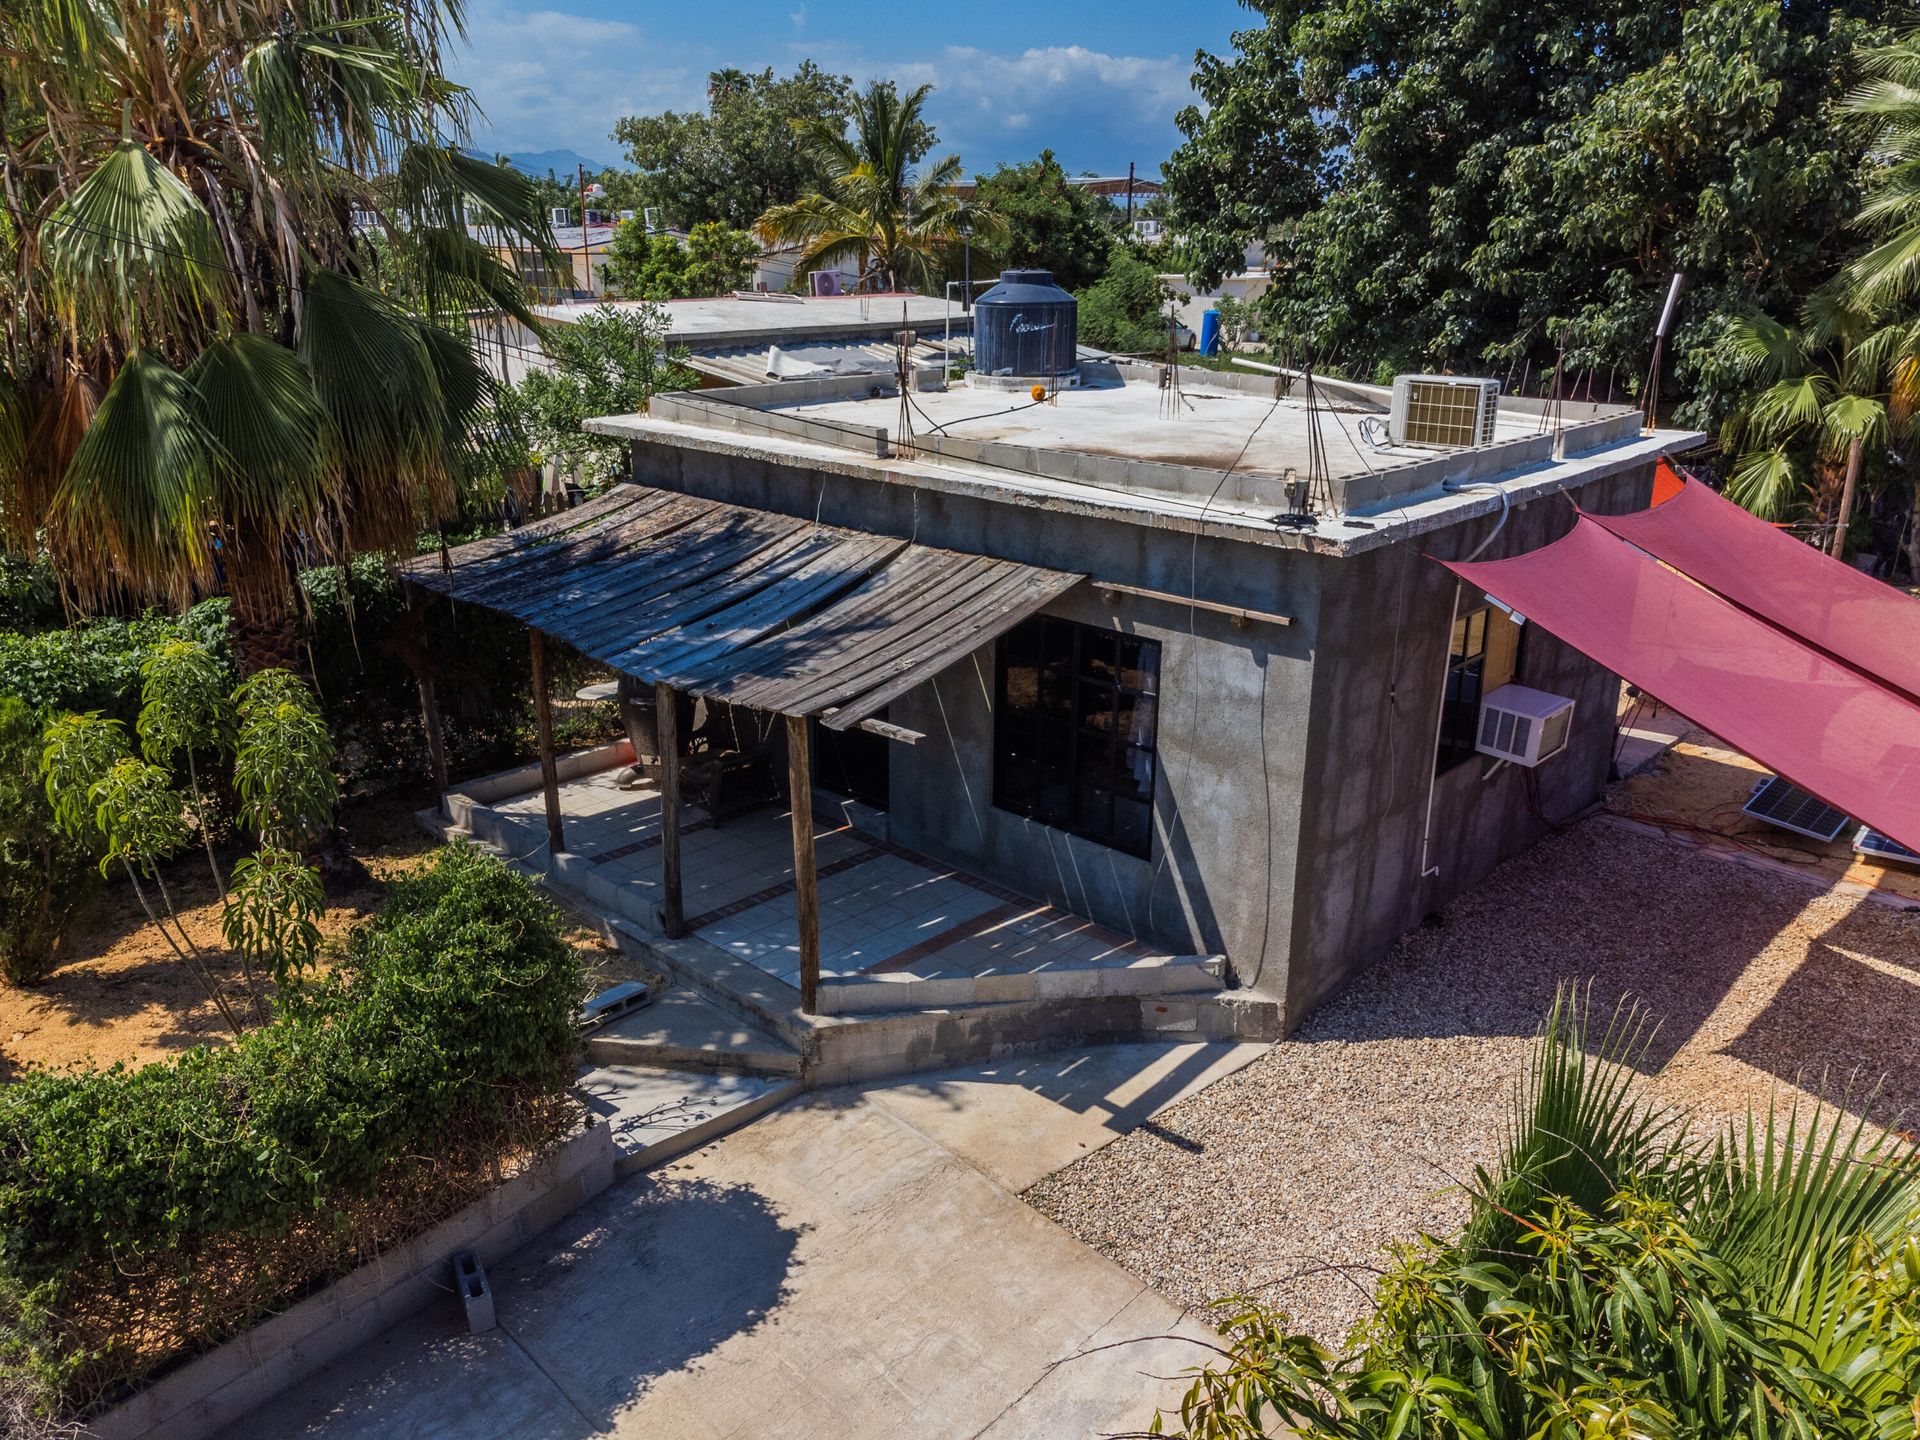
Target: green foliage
x,y
740,157
878,213
607,362
283,760
714,260
96,665
29,594
1048,224
1477,187
1620,1279
452,1003
45,878
273,912
1125,310
143,817
76,753
184,704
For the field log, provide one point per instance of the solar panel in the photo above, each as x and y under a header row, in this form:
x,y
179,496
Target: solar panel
x,y
1882,847
1779,802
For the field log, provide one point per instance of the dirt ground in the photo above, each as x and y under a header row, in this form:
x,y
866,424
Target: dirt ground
x,y
122,995
1695,791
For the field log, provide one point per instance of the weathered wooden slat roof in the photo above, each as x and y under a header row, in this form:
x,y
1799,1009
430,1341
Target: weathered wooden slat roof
x,y
745,605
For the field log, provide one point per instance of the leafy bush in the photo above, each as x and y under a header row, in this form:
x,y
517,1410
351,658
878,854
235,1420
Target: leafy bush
x,y
363,636
1619,1278
96,665
45,879
1125,310
230,1179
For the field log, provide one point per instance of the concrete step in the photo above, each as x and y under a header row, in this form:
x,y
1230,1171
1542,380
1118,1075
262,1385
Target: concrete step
x,y
1147,976
683,1029
658,1113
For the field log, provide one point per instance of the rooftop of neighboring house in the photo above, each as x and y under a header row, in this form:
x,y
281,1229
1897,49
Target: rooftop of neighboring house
x,y
752,317
1243,456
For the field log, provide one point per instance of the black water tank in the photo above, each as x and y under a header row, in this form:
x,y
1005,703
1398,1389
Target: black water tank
x,y
1026,326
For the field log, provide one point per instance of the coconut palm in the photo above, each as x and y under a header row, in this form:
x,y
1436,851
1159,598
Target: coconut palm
x,y
1825,391
1889,100
894,224
210,367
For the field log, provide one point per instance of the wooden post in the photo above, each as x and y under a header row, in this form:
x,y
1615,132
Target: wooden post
x,y
806,882
666,725
429,699
543,724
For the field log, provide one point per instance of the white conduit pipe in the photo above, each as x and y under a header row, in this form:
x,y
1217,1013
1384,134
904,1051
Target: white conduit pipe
x,y
1427,869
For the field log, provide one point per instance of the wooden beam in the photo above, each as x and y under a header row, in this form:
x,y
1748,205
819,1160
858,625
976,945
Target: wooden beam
x,y
1238,613
429,699
806,880
543,724
666,724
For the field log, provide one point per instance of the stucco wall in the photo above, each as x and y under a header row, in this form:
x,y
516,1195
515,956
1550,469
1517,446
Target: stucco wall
x,y
1384,636
1294,760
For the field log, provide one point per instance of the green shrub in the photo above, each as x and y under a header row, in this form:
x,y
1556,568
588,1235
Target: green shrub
x,y
96,665
362,637
45,878
227,1178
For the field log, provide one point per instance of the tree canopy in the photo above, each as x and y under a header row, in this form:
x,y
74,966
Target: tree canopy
x,y
1050,224
742,155
1481,187
712,260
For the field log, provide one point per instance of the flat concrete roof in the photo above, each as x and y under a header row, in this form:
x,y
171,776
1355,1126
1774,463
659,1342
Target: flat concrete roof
x,y
744,318
1227,456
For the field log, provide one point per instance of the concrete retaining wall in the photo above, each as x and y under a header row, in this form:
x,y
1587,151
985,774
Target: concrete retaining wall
x,y
220,1387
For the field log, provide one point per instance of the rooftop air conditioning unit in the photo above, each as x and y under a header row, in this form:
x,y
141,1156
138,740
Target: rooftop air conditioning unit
x,y
560,215
652,216
627,214
1524,726
825,282
1443,410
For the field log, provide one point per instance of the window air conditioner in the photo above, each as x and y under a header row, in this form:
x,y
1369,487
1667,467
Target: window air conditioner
x,y
1524,726
1443,410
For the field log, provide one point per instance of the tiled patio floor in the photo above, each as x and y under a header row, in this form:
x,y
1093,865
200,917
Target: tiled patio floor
x,y
883,910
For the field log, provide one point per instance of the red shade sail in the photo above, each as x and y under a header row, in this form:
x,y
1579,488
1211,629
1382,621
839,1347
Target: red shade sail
x,y
1823,725
1873,627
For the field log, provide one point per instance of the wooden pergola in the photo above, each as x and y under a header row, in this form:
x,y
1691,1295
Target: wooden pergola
x,y
740,606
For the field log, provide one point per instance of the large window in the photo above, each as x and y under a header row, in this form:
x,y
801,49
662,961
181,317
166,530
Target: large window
x,y
1075,712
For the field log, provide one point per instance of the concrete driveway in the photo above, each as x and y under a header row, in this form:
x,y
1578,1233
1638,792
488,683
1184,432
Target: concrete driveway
x,y
834,1269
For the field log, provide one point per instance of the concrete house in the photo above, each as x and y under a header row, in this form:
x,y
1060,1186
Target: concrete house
x,y
1239,720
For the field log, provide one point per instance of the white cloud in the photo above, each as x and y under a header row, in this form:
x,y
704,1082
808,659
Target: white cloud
x,y
799,18
1090,108
547,79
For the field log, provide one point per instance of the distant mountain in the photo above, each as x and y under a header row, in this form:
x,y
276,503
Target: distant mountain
x,y
538,162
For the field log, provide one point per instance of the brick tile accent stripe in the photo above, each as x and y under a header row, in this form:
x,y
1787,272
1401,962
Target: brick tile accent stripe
x,y
634,847
978,925
784,887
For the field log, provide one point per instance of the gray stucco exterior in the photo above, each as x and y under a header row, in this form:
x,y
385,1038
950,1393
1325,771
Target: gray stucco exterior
x,y
1294,760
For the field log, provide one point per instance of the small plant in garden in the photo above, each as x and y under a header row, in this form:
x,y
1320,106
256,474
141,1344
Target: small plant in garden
x,y
272,916
283,762
45,878
184,709
1619,1280
144,820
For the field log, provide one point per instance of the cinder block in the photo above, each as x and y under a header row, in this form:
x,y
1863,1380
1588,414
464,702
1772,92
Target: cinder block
x,y
476,1295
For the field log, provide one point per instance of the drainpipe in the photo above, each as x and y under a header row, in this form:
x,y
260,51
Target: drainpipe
x,y
1427,869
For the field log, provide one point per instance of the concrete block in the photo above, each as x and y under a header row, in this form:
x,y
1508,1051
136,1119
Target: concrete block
x,y
476,1295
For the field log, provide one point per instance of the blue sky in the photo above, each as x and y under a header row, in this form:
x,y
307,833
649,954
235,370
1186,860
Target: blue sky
x,y
1097,82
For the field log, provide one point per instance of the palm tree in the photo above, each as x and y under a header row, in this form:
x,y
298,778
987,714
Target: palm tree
x,y
1825,387
210,366
891,222
1890,102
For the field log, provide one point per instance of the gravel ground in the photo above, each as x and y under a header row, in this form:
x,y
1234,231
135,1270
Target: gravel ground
x,y
1291,1175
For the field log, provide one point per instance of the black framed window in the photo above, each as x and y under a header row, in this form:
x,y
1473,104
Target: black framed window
x,y
854,763
1075,716
1466,673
